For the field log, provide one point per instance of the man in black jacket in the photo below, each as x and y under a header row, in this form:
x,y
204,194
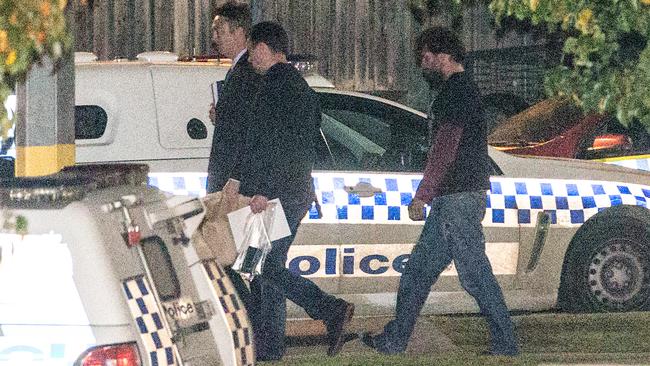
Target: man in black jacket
x,y
231,115
277,162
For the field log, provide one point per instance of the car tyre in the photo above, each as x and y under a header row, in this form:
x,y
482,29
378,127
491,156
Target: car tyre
x,y
608,269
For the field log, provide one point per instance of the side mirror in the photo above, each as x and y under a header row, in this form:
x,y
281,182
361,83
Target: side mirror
x,y
612,141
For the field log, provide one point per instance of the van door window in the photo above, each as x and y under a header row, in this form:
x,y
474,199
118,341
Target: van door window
x,y
196,129
89,122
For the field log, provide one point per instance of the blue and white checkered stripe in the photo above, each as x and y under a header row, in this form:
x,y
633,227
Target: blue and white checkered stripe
x,y
390,205
337,205
235,314
156,339
641,163
568,202
511,201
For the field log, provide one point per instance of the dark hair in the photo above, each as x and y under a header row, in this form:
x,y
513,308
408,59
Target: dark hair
x,y
439,40
236,14
272,34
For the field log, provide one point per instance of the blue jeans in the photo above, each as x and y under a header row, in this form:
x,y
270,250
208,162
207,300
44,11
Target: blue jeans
x,y
452,231
269,291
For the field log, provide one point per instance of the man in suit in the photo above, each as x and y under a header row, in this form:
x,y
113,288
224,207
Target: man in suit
x,y
231,115
230,31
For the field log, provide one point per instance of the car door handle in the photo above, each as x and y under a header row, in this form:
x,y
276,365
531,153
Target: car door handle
x,y
363,189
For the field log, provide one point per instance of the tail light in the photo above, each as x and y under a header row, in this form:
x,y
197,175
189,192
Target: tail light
x,y
125,354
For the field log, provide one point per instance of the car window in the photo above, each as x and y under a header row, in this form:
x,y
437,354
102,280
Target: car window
x,y
369,135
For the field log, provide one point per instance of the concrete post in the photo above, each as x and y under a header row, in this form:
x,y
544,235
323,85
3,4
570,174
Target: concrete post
x,y
45,123
45,110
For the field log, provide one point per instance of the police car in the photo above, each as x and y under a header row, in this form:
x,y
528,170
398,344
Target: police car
x,y
560,232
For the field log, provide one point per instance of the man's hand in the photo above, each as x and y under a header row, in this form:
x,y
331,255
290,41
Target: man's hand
x,y
416,210
258,203
213,114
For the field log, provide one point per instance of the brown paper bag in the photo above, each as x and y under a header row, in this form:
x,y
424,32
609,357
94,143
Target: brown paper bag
x,y
213,238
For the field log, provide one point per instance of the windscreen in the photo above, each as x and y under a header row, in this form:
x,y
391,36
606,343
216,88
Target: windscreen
x,y
537,124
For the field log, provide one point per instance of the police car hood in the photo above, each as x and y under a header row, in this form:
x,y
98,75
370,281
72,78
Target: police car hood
x,y
563,168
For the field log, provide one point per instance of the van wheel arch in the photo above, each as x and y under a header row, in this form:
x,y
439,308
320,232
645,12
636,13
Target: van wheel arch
x,y
607,265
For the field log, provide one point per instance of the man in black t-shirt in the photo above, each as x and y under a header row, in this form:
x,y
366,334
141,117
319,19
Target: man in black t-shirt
x,y
454,184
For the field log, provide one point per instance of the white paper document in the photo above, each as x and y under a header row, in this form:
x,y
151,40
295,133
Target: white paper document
x,y
279,228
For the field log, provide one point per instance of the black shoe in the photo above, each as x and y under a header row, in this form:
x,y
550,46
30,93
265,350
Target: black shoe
x,y
349,337
336,327
371,341
368,340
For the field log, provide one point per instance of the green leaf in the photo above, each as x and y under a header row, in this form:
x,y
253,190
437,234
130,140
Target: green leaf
x,y
21,225
570,45
598,79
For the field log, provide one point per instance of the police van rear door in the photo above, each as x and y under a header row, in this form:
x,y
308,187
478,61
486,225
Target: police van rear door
x,y
183,95
182,307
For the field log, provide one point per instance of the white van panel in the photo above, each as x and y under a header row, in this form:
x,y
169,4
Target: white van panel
x,y
67,298
136,131
178,103
125,92
91,266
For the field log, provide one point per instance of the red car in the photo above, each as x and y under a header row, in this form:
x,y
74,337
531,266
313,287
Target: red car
x,y
557,128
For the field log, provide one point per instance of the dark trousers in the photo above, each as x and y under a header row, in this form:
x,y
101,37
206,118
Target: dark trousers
x,y
266,301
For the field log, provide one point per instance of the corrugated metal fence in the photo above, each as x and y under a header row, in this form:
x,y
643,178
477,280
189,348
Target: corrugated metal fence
x,y
360,44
